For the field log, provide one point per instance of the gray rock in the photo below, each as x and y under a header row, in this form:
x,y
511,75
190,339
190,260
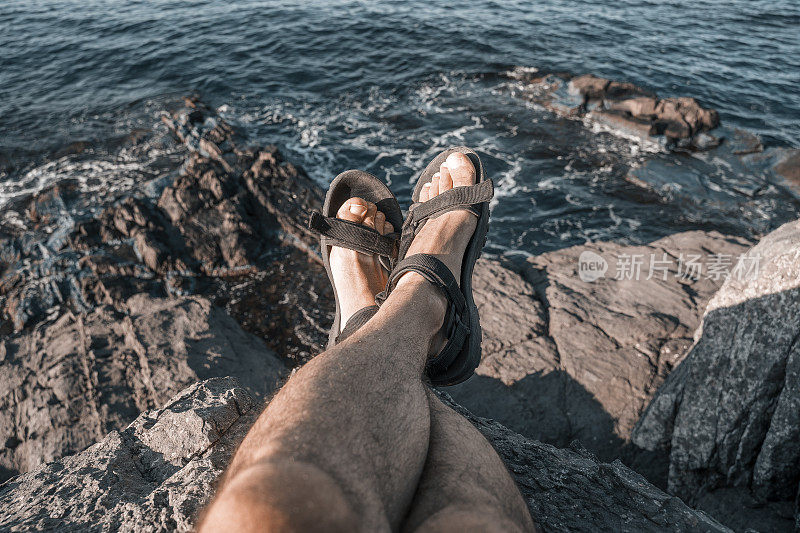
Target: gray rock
x,y
155,475
729,416
158,473
567,359
571,490
65,384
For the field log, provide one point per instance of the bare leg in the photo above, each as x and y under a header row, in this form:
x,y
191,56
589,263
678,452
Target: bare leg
x,y
465,485
335,449
343,444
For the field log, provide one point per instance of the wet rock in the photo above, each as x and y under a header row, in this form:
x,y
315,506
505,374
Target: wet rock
x,y
680,118
589,86
729,415
743,142
161,470
76,147
569,359
789,166
643,107
629,107
233,217
65,384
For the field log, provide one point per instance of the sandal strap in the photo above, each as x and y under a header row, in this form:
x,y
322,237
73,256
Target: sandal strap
x,y
433,270
353,236
355,322
456,323
455,198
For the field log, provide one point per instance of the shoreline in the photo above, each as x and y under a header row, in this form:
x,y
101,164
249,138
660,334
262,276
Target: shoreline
x,y
212,252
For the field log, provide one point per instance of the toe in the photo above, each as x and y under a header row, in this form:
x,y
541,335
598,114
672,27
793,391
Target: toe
x,y
388,228
445,180
461,170
380,220
435,185
369,218
425,193
353,210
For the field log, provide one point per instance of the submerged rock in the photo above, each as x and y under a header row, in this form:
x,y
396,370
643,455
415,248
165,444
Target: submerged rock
x,y
160,471
729,415
789,167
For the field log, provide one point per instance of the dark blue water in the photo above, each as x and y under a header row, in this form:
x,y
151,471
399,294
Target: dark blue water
x,y
383,86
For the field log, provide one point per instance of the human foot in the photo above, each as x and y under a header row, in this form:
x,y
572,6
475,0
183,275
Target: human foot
x,y
447,236
358,277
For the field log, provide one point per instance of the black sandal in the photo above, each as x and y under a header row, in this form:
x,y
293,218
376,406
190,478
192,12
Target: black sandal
x,y
462,353
337,232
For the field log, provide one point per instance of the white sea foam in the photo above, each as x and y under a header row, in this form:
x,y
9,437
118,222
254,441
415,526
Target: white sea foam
x,y
99,177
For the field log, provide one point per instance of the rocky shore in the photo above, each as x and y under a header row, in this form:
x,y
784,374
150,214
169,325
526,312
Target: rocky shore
x,y
149,305
679,124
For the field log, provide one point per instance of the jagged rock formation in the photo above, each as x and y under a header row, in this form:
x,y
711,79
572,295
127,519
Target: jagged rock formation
x,y
729,415
675,118
569,359
232,218
159,472
154,475
65,384
108,315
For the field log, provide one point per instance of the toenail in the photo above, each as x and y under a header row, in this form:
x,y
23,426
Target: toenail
x,y
358,210
454,160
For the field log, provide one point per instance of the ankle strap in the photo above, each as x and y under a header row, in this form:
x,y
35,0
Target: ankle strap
x,y
456,323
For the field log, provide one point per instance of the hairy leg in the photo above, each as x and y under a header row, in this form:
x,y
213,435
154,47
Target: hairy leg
x,y
355,419
343,444
464,485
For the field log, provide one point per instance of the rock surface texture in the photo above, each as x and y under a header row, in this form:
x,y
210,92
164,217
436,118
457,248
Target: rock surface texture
x,y
65,384
568,359
157,474
154,475
110,314
729,415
